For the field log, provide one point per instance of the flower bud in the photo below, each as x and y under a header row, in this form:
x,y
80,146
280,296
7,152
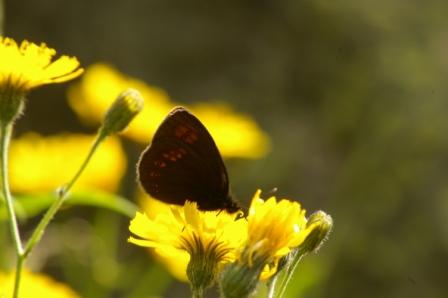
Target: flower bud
x,y
320,224
127,105
240,279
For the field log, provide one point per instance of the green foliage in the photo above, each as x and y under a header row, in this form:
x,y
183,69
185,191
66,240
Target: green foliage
x,y
28,206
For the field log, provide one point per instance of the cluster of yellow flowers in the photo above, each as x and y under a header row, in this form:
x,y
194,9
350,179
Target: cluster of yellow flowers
x,y
185,239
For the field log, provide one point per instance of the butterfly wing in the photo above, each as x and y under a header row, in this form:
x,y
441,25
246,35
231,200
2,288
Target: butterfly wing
x,y
183,163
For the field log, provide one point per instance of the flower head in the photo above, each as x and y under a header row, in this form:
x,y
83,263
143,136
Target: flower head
x,y
26,66
29,65
60,156
35,285
200,241
274,229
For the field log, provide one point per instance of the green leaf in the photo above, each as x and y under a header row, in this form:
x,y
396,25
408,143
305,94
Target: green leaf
x,y
27,206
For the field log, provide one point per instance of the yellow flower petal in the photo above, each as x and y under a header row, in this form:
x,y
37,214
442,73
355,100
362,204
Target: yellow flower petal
x,y
35,285
28,66
40,164
236,135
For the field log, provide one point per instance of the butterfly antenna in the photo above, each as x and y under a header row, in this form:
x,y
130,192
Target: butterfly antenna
x,y
272,192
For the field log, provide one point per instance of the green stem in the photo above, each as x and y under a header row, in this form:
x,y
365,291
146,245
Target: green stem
x,y
290,271
4,146
19,267
5,137
271,286
197,293
62,196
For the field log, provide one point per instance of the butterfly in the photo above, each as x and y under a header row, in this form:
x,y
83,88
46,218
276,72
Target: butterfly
x,y
183,164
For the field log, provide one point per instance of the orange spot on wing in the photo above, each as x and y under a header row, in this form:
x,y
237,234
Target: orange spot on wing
x,y
160,164
191,138
180,131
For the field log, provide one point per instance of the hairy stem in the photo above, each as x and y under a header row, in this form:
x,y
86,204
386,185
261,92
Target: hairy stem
x,y
5,137
62,196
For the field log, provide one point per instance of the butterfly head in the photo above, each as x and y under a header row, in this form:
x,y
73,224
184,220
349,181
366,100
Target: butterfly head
x,y
231,206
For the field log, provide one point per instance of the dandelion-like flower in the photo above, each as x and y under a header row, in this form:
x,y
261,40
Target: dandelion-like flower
x,y
201,241
26,66
35,285
274,229
29,65
60,155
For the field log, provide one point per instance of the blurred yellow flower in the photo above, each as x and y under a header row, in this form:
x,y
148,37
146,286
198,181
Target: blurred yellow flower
x,y
35,285
29,65
274,228
178,232
40,163
236,135
175,262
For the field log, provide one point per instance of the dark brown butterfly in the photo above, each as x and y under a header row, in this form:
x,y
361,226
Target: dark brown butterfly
x,y
183,163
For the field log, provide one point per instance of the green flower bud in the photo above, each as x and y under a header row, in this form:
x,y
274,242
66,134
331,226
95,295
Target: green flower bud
x,y
321,225
239,279
127,105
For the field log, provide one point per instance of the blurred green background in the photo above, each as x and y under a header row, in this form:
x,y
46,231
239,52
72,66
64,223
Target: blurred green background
x,y
354,95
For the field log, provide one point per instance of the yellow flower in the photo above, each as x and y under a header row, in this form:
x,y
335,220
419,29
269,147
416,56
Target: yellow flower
x,y
180,232
236,135
35,285
25,67
274,228
40,163
29,65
